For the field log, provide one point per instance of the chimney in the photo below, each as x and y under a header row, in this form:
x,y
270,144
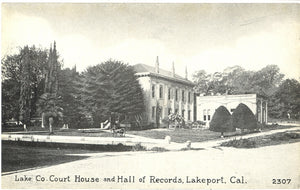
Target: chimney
x,y
173,69
186,73
157,65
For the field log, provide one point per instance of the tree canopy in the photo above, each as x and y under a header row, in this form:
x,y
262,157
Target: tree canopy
x,y
22,82
111,87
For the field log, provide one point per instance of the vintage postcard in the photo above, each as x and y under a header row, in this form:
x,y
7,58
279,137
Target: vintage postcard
x,y
150,95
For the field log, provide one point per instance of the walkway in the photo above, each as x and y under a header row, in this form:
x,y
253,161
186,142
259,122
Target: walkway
x,y
131,140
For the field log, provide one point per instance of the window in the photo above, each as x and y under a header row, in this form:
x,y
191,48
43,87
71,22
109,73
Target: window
x,y
176,95
189,97
182,113
160,91
169,94
153,111
208,115
153,91
169,111
204,115
182,97
189,115
176,110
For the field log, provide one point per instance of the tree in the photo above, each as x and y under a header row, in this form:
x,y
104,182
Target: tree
x,y
48,102
221,121
111,87
69,91
235,80
243,118
51,112
22,82
25,92
286,100
201,80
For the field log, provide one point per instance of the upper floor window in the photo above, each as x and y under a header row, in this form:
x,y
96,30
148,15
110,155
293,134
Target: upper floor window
x,y
153,90
182,96
160,91
176,95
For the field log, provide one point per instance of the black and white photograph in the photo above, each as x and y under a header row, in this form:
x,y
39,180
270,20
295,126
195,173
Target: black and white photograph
x,y
150,95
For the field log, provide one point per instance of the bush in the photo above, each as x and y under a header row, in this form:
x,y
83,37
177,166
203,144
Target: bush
x,y
243,118
158,149
138,147
241,143
176,120
221,121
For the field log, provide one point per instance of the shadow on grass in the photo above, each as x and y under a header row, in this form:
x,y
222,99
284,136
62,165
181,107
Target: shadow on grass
x,y
16,156
21,155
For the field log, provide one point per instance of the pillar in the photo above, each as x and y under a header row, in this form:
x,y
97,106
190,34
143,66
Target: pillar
x,y
261,111
266,110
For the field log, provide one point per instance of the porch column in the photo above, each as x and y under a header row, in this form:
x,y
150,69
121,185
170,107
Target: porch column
x,y
266,110
261,111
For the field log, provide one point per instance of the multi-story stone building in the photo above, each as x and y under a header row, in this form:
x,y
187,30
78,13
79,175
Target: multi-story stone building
x,y
206,105
165,92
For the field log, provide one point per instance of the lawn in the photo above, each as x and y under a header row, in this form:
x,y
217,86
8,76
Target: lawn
x,y
193,135
16,156
268,140
179,135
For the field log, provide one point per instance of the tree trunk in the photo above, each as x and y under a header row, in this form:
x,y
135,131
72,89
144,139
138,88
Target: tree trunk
x,y
43,125
51,125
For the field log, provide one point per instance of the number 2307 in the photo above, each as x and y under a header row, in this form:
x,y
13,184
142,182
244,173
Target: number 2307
x,y
281,181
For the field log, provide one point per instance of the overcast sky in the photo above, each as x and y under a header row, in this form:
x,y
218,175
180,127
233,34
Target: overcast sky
x,y
201,36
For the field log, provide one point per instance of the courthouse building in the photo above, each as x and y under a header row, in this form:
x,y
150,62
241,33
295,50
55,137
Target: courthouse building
x,y
165,92
206,105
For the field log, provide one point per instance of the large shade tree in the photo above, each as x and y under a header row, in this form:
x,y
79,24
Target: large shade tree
x,y
286,100
111,87
22,83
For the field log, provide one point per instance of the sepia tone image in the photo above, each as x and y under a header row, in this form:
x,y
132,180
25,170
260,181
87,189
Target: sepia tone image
x,y
150,96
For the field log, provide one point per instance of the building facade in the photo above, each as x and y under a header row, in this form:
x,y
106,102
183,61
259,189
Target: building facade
x,y
165,93
206,106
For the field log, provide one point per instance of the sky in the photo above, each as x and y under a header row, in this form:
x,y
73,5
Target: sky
x,y
199,36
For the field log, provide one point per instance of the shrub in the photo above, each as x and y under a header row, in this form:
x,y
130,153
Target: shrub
x,y
221,121
176,119
158,149
241,143
243,118
138,147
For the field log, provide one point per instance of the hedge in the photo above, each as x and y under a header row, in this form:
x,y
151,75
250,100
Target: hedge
x,y
243,118
221,121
